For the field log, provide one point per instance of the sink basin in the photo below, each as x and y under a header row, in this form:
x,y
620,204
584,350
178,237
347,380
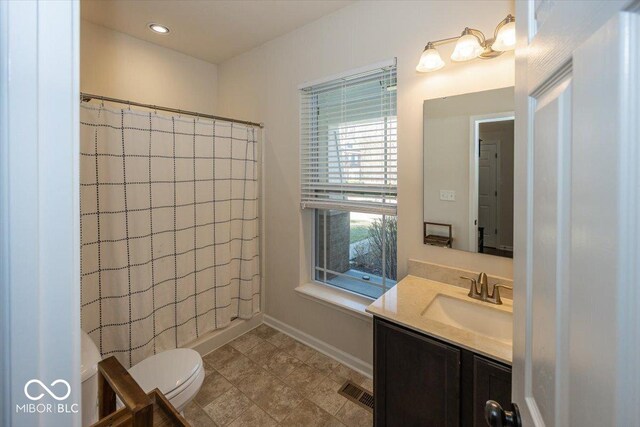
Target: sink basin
x,y
476,317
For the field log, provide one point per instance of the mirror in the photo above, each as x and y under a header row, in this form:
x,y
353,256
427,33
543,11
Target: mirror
x,y
468,172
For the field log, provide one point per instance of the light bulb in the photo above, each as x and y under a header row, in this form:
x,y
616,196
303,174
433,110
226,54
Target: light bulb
x,y
430,60
157,28
468,47
506,38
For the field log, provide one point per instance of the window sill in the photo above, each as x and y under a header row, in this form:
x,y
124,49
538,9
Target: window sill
x,y
344,301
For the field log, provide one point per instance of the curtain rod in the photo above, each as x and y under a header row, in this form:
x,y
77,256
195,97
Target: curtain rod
x,y
89,97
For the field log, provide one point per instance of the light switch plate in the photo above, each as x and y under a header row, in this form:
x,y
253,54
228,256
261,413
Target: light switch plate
x,y
448,195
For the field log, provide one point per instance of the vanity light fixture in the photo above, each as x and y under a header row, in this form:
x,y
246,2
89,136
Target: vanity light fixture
x,y
430,59
505,35
471,44
468,46
157,28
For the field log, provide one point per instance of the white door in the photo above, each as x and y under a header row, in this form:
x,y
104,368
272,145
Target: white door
x,y
577,214
39,214
488,192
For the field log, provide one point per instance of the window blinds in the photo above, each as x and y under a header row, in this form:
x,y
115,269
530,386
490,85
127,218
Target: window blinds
x,y
348,142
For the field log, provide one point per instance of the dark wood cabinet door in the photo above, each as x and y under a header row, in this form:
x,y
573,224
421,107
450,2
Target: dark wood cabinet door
x,y
417,379
491,381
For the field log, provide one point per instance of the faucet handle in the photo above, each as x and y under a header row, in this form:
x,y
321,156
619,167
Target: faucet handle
x,y
495,295
473,290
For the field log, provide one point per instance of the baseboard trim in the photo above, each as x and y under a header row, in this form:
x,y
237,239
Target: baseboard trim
x,y
216,339
321,346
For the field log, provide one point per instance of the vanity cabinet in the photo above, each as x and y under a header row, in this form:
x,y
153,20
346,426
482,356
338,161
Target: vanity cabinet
x,y
421,381
491,381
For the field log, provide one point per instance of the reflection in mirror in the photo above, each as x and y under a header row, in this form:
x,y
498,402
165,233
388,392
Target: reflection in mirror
x,y
468,172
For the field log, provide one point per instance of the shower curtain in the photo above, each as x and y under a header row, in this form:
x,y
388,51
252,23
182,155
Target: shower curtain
x,y
169,228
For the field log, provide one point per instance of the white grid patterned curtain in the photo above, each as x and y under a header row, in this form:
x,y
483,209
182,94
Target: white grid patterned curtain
x,y
169,228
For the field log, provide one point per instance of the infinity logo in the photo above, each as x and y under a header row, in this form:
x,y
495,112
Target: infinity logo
x,y
52,394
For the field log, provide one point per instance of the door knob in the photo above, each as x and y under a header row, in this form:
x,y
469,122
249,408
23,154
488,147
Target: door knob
x,y
498,417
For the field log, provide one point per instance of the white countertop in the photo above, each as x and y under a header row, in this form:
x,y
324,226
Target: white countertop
x,y
406,302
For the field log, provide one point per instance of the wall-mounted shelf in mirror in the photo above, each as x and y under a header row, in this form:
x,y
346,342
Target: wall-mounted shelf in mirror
x,y
436,238
468,171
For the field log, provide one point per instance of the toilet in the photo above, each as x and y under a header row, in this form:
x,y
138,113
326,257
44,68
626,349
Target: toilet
x,y
177,373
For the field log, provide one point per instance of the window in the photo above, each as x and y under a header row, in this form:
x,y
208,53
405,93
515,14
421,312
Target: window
x,y
349,177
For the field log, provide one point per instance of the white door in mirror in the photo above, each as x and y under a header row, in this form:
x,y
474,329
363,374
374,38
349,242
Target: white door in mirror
x,y
488,192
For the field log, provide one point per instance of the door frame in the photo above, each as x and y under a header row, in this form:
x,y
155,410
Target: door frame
x,y
474,133
39,209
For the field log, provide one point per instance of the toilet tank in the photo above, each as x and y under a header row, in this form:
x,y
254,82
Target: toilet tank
x,y
89,372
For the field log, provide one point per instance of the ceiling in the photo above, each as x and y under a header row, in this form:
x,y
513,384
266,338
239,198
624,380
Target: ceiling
x,y
210,30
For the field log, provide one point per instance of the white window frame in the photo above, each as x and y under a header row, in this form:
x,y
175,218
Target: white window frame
x,y
345,299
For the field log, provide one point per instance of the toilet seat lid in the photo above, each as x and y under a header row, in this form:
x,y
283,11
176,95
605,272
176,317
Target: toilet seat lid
x,y
167,370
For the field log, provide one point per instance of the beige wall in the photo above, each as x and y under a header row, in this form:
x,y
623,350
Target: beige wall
x,y
262,85
120,66
447,133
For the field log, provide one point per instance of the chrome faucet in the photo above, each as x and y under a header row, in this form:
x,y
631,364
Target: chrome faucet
x,y
483,293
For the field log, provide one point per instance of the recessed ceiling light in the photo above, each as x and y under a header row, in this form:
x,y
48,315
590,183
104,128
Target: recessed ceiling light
x,y
157,28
